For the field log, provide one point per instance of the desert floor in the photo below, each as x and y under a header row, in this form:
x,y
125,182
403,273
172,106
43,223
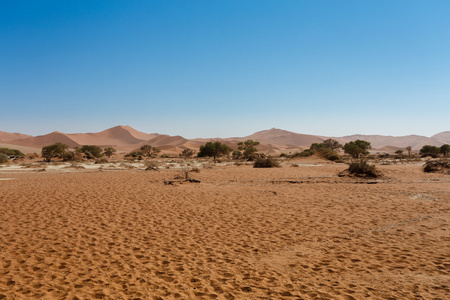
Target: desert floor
x,y
241,233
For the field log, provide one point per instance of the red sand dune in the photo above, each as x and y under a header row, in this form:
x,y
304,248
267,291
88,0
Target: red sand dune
x,y
8,136
126,138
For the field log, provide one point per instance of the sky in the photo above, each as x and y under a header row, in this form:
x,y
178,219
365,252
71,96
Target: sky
x,y
225,68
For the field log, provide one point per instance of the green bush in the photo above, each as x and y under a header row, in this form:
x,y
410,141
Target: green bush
x,y
3,158
135,154
328,154
54,150
92,151
268,162
429,150
236,154
12,152
304,153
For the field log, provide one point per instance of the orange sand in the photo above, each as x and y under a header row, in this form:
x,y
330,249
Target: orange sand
x,y
241,233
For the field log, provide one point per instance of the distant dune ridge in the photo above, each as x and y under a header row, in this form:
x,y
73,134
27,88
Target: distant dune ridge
x,y
126,138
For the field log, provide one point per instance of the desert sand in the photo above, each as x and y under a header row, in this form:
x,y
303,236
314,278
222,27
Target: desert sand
x,y
241,233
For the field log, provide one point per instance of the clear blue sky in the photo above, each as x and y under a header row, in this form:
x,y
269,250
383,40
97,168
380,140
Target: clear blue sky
x,y
225,68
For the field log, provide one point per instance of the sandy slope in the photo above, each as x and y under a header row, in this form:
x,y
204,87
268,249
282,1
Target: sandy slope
x,y
241,233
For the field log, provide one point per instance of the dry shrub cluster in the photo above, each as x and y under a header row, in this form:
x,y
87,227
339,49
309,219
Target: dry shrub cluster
x,y
442,166
361,168
268,162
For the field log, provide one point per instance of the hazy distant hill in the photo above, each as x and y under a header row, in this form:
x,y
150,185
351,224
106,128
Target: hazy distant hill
x,y
48,139
443,137
126,138
7,136
380,141
284,138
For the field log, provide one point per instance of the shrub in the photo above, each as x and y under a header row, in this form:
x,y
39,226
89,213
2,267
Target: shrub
x,y
445,149
249,148
236,154
149,151
12,152
332,144
328,154
102,160
55,150
72,155
361,168
432,155
134,154
429,150
214,149
187,153
3,158
357,148
151,165
92,151
442,166
108,151
268,162
304,153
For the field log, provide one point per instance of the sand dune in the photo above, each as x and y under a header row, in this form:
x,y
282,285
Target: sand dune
x,y
114,136
48,139
126,138
8,136
242,233
285,138
443,137
166,140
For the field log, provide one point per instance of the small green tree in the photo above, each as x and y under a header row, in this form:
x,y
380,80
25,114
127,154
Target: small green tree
x,y
149,151
445,149
332,144
92,151
430,150
55,150
357,148
236,154
108,151
317,146
399,152
214,149
186,153
249,148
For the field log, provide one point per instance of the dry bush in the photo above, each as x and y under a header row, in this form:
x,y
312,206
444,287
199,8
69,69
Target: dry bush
x,y
151,165
268,162
361,168
441,166
3,158
102,160
74,165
